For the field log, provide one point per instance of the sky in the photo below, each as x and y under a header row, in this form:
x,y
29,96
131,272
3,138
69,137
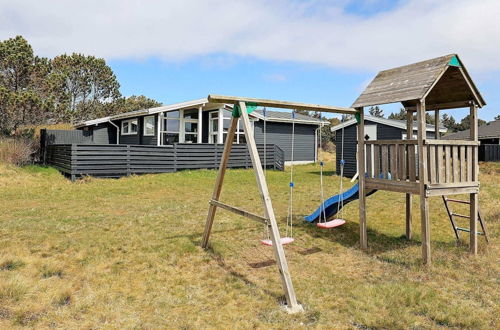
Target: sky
x,y
318,51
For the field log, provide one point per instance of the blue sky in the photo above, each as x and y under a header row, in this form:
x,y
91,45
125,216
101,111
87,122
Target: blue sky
x,y
171,82
320,51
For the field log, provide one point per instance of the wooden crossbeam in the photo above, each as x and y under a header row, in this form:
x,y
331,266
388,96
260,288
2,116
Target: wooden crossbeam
x,y
239,211
280,104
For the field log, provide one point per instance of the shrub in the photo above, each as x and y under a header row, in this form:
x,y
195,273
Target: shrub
x,y
19,151
328,146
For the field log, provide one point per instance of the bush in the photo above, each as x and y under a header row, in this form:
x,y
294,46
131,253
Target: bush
x,y
19,151
328,146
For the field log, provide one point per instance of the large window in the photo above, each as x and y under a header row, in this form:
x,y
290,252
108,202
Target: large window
x,y
129,127
239,136
190,125
214,127
171,127
149,126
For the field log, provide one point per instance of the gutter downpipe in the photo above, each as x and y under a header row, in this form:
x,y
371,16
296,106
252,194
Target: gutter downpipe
x,y
117,131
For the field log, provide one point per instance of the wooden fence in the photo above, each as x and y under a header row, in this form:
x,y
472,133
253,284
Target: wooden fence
x,y
489,152
109,160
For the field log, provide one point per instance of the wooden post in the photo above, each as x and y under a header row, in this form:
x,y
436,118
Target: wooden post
x,y
409,135
422,178
436,125
218,182
286,280
475,178
363,239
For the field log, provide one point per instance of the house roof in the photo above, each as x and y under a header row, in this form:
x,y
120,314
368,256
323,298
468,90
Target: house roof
x,y
485,131
270,115
281,116
443,81
390,122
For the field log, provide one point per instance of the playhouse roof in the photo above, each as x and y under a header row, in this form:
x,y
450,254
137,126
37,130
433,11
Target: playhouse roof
x,y
443,81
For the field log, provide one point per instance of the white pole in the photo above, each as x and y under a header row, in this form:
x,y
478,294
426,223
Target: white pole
x,y
200,127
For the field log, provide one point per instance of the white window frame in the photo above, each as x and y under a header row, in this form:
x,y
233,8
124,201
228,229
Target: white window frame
x,y
403,136
162,130
145,126
182,137
213,137
129,122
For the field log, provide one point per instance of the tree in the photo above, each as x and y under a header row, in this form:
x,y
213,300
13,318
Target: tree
x,y
449,123
497,117
376,111
16,63
87,83
465,123
135,102
401,115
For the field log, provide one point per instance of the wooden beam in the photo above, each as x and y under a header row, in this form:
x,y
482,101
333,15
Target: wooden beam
x,y
409,136
218,182
239,211
280,104
391,185
452,142
451,191
279,252
436,125
475,177
409,141
442,106
422,174
363,237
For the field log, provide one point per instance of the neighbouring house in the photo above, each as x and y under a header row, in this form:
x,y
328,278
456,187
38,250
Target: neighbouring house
x,y
202,122
376,128
489,139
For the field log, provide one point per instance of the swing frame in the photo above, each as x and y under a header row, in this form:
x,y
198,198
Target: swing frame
x,y
269,218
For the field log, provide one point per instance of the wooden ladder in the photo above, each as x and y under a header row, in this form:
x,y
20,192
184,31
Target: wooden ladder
x,y
451,214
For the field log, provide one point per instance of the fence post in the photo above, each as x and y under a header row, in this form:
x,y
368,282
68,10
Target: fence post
x,y
175,157
43,146
74,161
128,160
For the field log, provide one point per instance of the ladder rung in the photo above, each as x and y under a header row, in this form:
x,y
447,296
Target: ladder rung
x,y
468,230
460,215
457,201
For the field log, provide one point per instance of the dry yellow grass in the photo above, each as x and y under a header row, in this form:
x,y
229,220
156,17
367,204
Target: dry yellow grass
x,y
125,254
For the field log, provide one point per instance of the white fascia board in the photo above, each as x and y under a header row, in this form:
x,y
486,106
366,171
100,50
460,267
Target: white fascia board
x,y
284,120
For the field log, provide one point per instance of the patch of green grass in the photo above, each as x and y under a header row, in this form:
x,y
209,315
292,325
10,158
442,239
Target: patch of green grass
x,y
126,253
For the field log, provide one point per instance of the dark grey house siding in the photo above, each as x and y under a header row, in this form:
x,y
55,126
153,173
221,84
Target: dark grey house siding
x,y
384,132
281,135
104,133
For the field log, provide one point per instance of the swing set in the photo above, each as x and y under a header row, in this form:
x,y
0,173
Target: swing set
x,y
423,166
242,107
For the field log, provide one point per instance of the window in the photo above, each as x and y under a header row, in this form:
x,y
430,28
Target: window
x,y
239,136
404,136
170,127
129,126
190,125
149,126
214,126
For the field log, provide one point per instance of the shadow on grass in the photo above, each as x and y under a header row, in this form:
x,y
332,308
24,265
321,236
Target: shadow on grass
x,y
217,257
325,173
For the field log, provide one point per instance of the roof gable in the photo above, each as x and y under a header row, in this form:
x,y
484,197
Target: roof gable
x,y
441,80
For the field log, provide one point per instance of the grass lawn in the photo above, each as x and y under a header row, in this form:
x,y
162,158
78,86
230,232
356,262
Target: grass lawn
x,y
125,254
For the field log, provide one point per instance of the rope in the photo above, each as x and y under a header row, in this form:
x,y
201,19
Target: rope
x,y
266,226
322,215
289,219
340,205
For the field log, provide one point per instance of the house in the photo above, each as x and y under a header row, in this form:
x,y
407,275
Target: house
x,y
201,122
489,139
376,128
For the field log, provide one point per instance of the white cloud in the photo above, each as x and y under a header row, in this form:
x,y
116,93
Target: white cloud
x,y
316,31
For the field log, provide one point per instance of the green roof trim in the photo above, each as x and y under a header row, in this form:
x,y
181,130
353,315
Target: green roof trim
x,y
250,108
454,62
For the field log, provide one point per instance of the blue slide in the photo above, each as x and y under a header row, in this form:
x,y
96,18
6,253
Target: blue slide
x,y
332,204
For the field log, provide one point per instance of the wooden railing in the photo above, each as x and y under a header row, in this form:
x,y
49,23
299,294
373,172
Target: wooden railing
x,y
393,164
450,161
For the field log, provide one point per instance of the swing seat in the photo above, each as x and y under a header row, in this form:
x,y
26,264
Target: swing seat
x,y
283,240
331,224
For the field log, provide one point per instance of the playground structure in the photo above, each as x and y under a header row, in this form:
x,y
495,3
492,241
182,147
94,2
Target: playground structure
x,y
419,166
